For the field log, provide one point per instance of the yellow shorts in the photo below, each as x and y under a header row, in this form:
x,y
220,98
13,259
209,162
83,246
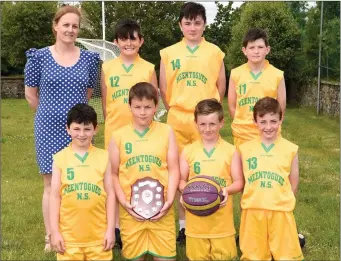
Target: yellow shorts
x,y
238,141
112,126
147,237
85,253
184,127
266,233
211,248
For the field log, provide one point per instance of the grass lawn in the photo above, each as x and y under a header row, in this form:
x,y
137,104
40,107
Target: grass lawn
x,y
317,209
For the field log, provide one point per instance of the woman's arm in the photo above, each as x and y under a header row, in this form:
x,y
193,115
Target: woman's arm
x,y
32,97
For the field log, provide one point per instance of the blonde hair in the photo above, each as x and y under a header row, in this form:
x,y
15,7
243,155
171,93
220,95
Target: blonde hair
x,y
63,11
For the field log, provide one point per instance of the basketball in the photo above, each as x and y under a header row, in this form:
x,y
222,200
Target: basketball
x,y
202,195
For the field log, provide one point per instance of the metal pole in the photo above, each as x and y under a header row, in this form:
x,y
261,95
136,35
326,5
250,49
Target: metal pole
x,y
103,30
319,66
103,21
327,67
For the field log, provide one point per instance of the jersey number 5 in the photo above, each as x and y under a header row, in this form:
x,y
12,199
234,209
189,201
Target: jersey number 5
x,y
70,174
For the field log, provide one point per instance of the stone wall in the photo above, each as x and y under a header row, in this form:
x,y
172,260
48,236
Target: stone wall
x,y
329,97
12,87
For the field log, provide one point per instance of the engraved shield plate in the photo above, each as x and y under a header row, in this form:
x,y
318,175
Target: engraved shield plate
x,y
147,197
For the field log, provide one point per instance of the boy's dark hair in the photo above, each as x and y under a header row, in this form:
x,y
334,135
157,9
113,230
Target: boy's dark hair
x,y
254,34
208,106
191,10
266,105
143,90
125,30
82,113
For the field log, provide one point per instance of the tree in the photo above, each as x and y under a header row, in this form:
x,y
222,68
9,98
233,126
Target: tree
x,y
330,40
91,23
283,32
158,21
331,9
299,11
24,25
219,32
331,48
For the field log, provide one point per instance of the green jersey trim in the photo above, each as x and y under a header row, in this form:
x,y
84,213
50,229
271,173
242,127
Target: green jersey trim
x,y
255,76
267,149
141,134
127,69
192,50
82,159
209,154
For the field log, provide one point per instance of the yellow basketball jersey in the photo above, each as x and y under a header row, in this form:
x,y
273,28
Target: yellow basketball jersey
x,y
82,219
191,74
249,89
266,172
216,163
142,155
119,79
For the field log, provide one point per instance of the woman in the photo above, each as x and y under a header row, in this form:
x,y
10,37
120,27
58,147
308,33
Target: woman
x,y
64,75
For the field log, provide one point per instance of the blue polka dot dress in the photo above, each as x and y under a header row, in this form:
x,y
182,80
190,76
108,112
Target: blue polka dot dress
x,y
60,88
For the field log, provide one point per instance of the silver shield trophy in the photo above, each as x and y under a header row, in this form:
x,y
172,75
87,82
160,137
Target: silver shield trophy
x,y
147,197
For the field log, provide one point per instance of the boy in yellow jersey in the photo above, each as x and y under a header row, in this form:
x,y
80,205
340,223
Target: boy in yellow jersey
x,y
145,148
250,82
120,74
190,71
211,237
270,165
82,199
